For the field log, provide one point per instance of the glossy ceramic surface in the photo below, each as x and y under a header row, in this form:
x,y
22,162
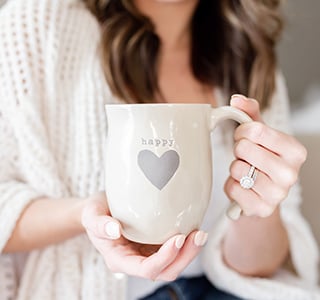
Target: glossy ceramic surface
x,y
158,168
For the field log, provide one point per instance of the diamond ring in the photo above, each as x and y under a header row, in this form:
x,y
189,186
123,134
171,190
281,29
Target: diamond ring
x,y
247,182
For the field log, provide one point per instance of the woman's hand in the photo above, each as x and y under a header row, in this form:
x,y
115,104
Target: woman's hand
x,y
258,246
163,262
277,157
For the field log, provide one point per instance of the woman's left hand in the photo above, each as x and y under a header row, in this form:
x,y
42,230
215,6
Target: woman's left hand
x,y
277,157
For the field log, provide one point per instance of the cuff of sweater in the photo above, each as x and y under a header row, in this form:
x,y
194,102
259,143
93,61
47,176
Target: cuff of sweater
x,y
14,197
283,285
304,253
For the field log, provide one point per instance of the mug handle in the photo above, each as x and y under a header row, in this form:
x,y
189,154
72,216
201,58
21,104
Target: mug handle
x,y
225,113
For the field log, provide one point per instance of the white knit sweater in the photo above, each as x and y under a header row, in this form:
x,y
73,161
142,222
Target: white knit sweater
x,y
52,129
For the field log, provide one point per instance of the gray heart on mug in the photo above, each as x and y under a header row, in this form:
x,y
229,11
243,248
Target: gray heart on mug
x,y
159,170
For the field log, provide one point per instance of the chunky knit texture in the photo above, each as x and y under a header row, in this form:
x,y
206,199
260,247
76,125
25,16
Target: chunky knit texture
x,y
52,130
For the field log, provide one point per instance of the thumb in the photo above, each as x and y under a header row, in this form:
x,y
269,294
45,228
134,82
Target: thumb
x,y
98,223
247,105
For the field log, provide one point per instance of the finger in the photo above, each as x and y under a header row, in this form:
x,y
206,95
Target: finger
x,y
102,226
149,267
193,245
269,163
249,200
248,105
263,185
280,143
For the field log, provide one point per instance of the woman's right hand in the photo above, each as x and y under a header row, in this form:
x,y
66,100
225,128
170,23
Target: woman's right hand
x,y
154,262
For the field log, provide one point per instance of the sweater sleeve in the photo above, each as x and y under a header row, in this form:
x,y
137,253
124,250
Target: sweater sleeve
x,y
303,248
26,49
304,251
15,194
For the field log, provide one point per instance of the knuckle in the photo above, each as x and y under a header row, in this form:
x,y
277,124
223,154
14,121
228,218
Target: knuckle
x,y
289,177
276,195
280,195
242,148
257,131
234,169
301,154
232,166
257,104
232,190
265,211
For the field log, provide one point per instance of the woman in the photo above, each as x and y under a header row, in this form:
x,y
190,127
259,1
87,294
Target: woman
x,y
60,62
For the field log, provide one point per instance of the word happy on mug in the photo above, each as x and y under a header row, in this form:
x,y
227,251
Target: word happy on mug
x,y
157,142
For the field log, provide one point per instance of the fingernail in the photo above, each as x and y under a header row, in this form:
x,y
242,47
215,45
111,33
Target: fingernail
x,y
180,241
112,229
201,238
239,96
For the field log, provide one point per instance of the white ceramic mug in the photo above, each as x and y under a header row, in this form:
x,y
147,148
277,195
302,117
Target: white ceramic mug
x,y
158,167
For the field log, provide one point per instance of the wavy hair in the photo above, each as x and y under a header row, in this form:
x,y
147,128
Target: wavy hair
x,y
233,47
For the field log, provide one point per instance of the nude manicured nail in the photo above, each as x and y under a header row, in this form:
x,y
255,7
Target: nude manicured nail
x,y
112,229
238,96
180,241
200,238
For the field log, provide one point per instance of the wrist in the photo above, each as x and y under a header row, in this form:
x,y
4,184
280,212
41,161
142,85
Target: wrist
x,y
256,246
74,214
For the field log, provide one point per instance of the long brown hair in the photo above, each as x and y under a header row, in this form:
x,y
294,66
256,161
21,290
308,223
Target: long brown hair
x,y
233,47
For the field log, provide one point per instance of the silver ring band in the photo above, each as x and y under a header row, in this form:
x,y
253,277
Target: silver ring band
x,y
247,182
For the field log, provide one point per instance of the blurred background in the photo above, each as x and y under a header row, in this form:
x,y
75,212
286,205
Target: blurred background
x,y
299,53
298,56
